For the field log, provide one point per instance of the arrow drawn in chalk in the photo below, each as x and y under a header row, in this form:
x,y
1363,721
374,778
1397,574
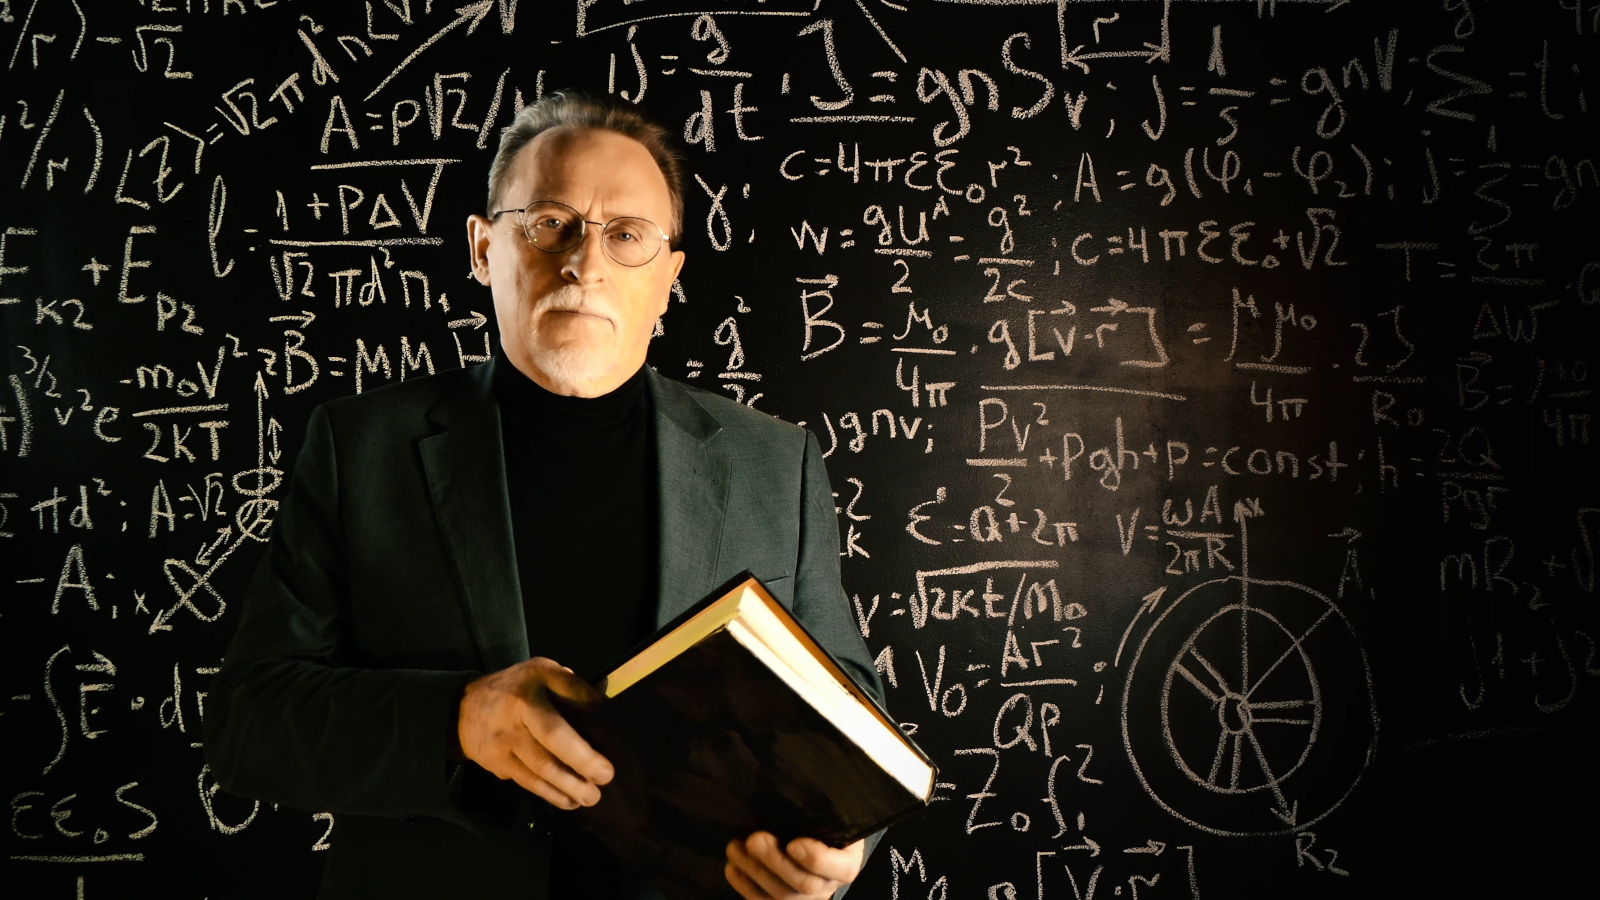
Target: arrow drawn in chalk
x,y
305,318
1288,812
474,318
1151,600
474,11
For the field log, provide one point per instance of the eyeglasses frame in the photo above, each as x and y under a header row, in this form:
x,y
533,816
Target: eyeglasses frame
x,y
584,232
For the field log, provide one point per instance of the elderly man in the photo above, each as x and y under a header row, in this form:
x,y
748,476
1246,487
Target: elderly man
x,y
531,518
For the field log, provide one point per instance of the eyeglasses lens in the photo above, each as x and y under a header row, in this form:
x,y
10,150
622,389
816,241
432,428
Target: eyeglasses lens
x,y
555,228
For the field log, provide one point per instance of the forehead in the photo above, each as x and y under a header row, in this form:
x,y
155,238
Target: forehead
x,y
586,166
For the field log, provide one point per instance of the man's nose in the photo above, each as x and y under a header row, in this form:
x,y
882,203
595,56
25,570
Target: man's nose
x,y
585,262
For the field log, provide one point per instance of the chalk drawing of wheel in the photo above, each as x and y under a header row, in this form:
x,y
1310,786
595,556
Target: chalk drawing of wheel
x,y
1248,707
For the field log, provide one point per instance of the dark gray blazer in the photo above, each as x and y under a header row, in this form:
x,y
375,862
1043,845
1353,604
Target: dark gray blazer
x,y
390,580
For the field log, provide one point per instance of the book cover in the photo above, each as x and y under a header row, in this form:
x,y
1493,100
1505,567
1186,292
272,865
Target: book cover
x,y
714,745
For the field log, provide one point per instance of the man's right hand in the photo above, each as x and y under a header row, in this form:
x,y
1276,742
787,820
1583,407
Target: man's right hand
x,y
508,725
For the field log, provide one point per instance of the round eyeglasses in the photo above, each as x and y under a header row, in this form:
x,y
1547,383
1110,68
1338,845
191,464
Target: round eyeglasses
x,y
556,227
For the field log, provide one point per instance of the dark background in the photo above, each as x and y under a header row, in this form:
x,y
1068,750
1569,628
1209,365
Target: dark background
x,y
1421,517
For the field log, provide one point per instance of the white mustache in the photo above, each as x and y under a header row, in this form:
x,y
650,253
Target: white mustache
x,y
572,301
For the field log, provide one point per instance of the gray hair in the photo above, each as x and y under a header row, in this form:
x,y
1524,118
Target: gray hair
x,y
572,109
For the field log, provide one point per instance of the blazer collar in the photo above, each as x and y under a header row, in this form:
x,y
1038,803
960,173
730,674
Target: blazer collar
x,y
465,468
466,471
693,489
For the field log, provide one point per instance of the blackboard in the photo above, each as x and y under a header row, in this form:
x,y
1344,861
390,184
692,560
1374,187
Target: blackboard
x,y
1206,389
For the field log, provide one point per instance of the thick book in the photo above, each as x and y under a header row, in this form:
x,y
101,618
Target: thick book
x,y
730,720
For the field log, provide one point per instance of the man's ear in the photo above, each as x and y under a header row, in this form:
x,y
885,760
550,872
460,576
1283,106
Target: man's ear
x,y
480,234
676,260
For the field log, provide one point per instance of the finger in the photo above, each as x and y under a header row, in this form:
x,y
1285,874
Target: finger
x,y
542,789
762,883
538,760
552,730
753,861
742,883
840,866
515,770
799,877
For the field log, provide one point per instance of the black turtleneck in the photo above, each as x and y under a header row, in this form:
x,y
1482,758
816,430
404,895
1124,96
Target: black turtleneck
x,y
581,474
582,478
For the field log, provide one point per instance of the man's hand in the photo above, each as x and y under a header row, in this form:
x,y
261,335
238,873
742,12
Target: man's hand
x,y
508,725
759,869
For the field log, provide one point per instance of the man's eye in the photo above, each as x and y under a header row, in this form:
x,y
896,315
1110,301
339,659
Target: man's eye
x,y
552,224
625,237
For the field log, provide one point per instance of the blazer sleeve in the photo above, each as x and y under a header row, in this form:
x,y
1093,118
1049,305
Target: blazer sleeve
x,y
288,719
819,597
820,600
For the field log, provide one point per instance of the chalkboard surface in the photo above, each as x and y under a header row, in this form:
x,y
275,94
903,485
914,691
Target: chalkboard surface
x,y
1207,389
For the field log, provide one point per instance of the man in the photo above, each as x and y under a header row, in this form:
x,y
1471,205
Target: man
x,y
531,518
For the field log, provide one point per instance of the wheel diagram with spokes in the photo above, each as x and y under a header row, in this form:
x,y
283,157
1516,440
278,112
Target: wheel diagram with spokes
x,y
1248,707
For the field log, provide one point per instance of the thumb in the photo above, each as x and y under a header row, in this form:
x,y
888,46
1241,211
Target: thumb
x,y
567,685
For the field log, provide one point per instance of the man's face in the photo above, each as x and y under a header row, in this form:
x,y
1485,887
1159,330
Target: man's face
x,y
577,322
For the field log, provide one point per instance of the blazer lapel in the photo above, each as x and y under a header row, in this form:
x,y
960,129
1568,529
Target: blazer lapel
x,y
693,491
465,468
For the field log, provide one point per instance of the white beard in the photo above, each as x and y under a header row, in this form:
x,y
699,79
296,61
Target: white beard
x,y
572,365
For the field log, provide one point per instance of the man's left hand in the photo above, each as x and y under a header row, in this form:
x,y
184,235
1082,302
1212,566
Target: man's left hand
x,y
760,869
